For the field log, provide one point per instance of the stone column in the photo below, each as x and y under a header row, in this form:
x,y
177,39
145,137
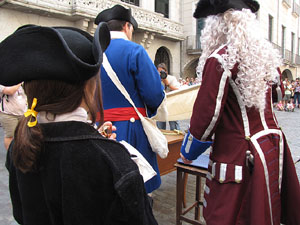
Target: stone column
x,y
148,4
174,10
82,24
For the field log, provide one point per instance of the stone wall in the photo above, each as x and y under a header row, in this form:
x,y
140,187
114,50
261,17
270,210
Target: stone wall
x,y
154,32
10,20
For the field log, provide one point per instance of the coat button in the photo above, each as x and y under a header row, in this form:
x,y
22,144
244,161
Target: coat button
x,y
132,120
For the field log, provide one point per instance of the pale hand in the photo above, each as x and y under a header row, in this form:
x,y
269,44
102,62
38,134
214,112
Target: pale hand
x,y
106,130
185,161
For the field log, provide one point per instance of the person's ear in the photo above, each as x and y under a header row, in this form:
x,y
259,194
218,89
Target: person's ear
x,y
126,27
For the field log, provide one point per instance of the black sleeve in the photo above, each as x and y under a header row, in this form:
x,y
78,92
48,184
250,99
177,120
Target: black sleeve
x,y
13,187
134,206
135,200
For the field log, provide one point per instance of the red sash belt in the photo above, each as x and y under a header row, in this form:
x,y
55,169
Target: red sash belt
x,y
122,114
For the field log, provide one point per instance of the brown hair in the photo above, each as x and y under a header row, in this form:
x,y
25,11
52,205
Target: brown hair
x,y
116,25
55,97
163,66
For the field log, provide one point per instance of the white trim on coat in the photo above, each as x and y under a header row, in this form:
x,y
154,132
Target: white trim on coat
x,y
263,119
226,74
254,139
242,107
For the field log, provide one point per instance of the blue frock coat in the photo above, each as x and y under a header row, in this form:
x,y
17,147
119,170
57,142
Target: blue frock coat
x,y
141,79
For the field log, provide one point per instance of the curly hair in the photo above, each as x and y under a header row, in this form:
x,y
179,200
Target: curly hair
x,y
256,58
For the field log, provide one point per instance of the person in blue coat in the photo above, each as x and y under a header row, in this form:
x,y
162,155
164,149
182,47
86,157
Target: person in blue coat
x,y
140,78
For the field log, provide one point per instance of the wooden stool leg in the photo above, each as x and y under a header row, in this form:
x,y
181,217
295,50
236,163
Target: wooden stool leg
x,y
198,196
185,177
179,195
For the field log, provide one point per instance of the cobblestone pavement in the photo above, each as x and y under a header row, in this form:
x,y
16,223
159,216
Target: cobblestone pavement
x,y
165,197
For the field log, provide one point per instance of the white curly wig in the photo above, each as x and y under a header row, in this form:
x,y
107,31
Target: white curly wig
x,y
257,59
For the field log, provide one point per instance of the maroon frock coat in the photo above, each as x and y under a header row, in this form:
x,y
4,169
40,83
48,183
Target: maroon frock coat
x,y
236,192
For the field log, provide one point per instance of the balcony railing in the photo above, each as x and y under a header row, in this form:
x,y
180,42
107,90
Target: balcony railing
x,y
291,58
296,9
74,10
277,47
193,45
297,59
288,3
288,56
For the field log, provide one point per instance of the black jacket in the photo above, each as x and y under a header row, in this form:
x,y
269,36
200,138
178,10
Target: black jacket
x,y
83,179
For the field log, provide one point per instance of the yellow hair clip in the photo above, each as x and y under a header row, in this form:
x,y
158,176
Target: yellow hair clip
x,y
31,112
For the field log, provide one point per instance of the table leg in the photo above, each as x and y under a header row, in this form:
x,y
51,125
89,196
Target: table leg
x,y
185,177
198,196
179,195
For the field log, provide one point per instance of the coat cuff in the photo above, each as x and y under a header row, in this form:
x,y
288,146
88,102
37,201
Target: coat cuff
x,y
191,147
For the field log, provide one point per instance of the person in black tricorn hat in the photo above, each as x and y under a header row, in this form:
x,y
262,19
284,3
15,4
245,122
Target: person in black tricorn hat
x,y
251,176
61,170
140,78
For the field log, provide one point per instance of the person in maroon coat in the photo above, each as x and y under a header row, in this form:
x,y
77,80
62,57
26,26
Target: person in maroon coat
x,y
251,175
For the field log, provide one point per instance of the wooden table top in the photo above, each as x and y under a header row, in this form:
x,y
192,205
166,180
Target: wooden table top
x,y
172,136
191,169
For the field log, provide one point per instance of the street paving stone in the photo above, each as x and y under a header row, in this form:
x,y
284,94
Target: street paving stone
x,y
164,207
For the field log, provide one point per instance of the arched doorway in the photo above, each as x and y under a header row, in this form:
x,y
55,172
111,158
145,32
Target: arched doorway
x,y
287,74
162,56
190,69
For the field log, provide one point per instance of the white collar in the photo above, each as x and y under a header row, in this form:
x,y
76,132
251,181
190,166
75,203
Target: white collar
x,y
79,114
118,35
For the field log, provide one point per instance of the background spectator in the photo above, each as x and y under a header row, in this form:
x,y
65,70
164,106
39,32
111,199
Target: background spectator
x,y
287,93
192,81
187,80
13,105
297,93
290,106
170,83
279,106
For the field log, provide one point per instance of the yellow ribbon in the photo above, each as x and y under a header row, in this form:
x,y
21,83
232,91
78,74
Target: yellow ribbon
x,y
31,112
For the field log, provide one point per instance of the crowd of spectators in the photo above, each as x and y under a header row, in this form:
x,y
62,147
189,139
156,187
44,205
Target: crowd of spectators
x,y
189,81
291,97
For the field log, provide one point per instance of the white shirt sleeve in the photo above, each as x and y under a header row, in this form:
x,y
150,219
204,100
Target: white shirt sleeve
x,y
173,81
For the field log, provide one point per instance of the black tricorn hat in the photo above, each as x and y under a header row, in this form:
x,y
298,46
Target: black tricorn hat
x,y
52,53
213,7
117,12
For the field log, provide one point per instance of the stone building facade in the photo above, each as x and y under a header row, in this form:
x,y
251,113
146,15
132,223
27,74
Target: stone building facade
x,y
279,20
160,30
167,28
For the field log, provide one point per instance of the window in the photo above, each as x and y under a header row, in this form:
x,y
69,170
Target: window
x,y
283,40
133,2
200,26
293,43
298,51
270,28
293,47
162,6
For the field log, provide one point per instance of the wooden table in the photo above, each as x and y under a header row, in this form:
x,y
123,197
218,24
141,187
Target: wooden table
x,y
182,172
174,143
